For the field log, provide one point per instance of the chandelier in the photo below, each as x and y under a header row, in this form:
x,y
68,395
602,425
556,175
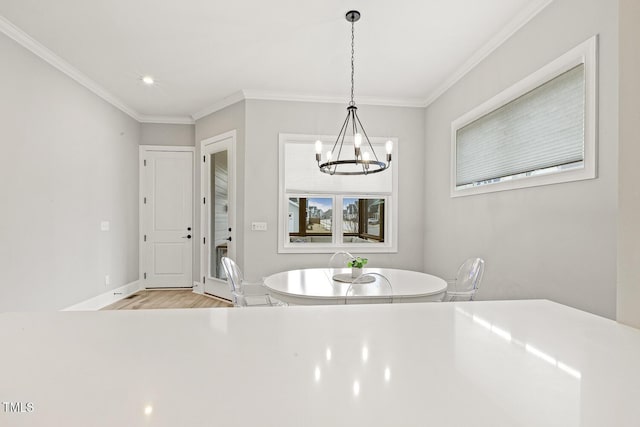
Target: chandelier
x,y
365,159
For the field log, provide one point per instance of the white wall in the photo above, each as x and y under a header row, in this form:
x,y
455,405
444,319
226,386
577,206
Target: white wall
x,y
167,134
227,119
69,161
556,242
266,119
629,173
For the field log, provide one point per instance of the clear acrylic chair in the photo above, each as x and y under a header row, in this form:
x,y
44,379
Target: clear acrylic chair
x,y
338,263
340,260
467,281
240,300
245,294
369,288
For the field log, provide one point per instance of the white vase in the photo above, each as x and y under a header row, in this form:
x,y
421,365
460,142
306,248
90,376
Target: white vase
x,y
356,272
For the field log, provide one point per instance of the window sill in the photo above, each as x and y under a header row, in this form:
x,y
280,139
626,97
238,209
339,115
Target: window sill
x,y
318,248
587,172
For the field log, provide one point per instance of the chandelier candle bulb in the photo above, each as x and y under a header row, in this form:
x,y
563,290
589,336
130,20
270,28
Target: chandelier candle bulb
x,y
366,158
329,156
389,146
357,140
318,150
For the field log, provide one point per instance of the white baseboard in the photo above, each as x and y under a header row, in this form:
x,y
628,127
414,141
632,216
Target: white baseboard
x,y
103,300
198,288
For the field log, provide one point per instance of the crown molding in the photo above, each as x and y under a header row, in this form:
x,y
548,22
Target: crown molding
x,y
296,97
496,41
362,100
219,105
168,120
54,60
29,43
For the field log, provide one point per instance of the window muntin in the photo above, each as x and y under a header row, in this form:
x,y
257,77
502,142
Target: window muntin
x,y
539,131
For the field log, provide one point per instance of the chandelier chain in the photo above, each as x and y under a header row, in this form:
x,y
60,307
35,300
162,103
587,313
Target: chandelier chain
x,y
352,66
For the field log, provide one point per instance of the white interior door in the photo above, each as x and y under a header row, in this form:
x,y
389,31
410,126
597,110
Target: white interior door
x,y
218,210
166,192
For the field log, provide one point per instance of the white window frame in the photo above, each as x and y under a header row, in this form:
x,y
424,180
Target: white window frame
x,y
390,244
585,53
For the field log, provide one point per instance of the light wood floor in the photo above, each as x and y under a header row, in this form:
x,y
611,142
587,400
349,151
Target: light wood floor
x,y
167,298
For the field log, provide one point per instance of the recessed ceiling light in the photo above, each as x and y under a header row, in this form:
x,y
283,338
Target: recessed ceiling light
x,y
148,80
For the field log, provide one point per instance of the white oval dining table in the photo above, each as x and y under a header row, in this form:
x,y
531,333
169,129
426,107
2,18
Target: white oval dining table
x,y
316,286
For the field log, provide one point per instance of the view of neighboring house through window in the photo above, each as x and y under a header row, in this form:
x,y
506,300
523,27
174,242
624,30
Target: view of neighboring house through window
x,y
362,220
310,219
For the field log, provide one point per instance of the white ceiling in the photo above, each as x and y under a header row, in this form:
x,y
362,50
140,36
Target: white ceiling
x,y
203,51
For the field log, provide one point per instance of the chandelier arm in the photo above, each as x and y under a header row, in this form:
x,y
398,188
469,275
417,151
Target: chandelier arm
x,y
358,151
343,133
367,138
354,128
342,129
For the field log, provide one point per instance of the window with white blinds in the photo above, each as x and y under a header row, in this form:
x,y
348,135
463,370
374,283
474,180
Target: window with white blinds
x,y
321,213
542,127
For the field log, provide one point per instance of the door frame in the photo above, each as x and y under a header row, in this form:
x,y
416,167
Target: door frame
x,y
142,150
204,207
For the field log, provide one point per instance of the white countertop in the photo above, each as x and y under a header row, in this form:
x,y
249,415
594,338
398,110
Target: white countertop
x,y
511,363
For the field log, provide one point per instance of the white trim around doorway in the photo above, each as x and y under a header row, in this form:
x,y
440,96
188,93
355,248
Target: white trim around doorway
x,y
204,259
141,151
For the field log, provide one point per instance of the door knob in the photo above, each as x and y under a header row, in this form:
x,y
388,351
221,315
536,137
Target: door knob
x,y
188,236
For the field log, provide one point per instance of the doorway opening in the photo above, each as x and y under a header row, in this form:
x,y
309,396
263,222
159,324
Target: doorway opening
x,y
217,210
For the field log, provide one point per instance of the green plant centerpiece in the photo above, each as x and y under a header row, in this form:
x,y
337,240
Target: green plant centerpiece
x,y
356,265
